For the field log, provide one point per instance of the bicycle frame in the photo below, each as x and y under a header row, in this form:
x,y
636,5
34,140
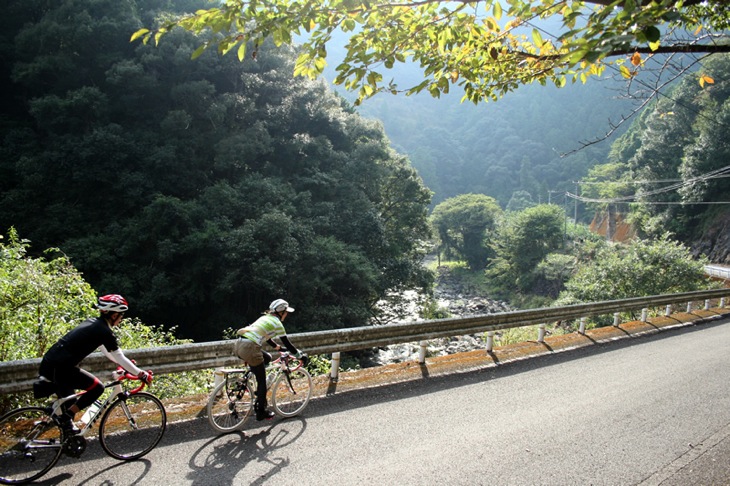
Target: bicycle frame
x,y
280,366
118,377
273,370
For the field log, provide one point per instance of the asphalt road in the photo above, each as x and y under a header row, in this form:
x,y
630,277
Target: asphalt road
x,y
644,411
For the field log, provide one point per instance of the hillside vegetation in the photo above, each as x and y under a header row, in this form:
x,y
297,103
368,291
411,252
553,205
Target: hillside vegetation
x,y
201,190
671,170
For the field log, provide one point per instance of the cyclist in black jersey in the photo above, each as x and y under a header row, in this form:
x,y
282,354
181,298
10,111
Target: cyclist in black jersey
x,y
60,363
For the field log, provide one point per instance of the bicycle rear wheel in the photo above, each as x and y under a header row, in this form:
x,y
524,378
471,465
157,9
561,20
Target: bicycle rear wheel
x,y
132,426
290,396
30,445
230,403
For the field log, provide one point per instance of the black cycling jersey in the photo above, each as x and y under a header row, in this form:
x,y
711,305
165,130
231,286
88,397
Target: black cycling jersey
x,y
80,342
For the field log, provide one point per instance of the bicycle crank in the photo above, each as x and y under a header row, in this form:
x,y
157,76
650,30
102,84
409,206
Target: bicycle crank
x,y
74,446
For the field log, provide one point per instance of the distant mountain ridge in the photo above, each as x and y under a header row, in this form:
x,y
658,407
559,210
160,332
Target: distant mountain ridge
x,y
498,148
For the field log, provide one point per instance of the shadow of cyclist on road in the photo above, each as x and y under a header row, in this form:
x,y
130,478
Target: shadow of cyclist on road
x,y
248,457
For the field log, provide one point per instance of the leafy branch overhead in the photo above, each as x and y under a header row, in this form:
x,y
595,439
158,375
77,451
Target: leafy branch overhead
x,y
487,47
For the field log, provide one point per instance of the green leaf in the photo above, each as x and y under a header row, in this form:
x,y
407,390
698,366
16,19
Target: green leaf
x,y
537,38
319,64
652,34
196,54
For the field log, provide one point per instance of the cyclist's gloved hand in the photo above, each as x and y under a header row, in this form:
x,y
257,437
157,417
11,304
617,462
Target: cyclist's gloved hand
x,y
145,376
303,358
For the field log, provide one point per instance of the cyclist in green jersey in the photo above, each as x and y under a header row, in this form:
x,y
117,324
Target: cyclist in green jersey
x,y
248,347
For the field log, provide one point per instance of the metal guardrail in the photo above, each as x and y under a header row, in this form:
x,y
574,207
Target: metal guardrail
x,y
718,271
17,376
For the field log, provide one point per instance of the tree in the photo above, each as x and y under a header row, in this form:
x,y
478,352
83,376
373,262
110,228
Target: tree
x,y
487,48
638,269
524,239
40,299
519,201
463,222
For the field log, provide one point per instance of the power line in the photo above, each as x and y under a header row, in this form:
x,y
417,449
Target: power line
x,y
666,203
641,182
685,182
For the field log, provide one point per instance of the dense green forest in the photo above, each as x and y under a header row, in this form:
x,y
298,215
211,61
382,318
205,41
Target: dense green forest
x,y
203,189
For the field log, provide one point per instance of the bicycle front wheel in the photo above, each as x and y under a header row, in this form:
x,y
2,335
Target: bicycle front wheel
x,y
30,445
230,403
132,426
291,392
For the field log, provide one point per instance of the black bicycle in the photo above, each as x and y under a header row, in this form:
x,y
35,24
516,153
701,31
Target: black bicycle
x,y
131,423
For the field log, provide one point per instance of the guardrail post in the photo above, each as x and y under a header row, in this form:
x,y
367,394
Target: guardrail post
x,y
422,352
490,341
689,307
582,328
722,302
541,333
644,313
668,312
616,317
335,371
707,304
217,377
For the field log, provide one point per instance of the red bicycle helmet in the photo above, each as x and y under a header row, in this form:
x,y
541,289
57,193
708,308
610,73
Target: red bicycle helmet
x,y
112,303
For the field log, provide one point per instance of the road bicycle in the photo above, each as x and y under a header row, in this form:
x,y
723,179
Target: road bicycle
x,y
131,423
289,385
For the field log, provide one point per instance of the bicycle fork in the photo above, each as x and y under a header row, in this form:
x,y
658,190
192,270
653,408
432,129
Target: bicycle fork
x,y
127,413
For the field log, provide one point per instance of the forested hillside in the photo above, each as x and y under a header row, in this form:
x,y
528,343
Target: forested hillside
x,y
201,190
515,144
671,170
518,143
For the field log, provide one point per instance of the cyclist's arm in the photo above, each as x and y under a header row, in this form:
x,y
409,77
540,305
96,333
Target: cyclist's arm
x,y
293,350
118,357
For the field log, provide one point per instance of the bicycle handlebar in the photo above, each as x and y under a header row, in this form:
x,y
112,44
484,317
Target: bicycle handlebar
x,y
287,357
121,374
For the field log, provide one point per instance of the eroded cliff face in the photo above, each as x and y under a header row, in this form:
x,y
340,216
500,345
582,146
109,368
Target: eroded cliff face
x,y
714,242
612,226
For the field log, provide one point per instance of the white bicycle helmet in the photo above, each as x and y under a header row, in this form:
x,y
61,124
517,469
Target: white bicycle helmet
x,y
112,303
280,305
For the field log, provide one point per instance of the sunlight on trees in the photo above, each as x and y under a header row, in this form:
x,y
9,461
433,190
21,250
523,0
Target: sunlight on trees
x,y
486,48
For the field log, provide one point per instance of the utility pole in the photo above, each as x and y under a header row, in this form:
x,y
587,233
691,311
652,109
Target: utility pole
x,y
550,193
565,224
